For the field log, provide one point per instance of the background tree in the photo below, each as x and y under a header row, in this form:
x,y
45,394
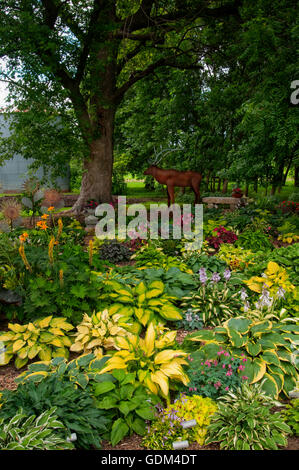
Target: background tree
x,y
85,55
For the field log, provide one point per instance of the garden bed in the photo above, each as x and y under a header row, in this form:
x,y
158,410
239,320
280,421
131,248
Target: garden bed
x,y
219,306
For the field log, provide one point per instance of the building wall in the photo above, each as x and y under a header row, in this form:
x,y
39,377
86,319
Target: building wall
x,y
14,172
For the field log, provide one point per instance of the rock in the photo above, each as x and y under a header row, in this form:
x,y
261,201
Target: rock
x,y
10,297
91,220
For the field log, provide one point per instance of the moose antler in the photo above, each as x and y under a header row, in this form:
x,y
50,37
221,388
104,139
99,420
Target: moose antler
x,y
159,155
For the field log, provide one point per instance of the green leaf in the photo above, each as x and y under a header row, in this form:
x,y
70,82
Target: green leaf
x,y
103,387
119,430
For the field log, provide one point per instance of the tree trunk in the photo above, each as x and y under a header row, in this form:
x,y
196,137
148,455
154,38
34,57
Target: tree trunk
x,y
97,177
296,177
224,187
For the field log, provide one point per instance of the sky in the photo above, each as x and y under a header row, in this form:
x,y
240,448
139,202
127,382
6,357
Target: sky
x,y
3,94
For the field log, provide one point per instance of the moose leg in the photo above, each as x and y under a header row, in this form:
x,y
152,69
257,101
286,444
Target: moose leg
x,y
170,190
195,188
168,196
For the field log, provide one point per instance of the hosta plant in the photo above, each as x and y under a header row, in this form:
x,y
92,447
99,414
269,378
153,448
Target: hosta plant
x,y
144,303
167,427
268,347
97,332
190,321
44,338
127,403
153,358
149,256
43,432
244,421
214,301
82,371
75,407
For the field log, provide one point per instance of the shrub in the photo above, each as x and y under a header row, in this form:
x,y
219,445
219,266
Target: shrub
x,y
167,427
291,416
244,422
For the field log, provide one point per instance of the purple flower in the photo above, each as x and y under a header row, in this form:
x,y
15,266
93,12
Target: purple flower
x,y
216,277
203,275
227,274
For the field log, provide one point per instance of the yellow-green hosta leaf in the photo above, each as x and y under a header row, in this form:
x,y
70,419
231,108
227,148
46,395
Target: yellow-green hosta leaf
x,y
149,340
33,351
272,268
162,380
46,337
23,352
60,352
57,342
170,312
140,288
18,345
20,362
17,328
259,370
45,322
157,285
45,353
56,331
76,347
7,336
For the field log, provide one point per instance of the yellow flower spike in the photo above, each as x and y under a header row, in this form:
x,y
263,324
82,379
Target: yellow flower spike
x,y
50,250
23,256
60,227
90,251
61,282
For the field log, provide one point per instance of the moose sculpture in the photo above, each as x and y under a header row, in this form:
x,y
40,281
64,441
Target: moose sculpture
x,y
174,178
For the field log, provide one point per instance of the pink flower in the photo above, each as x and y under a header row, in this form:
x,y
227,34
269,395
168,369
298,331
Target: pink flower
x,y
227,388
241,367
244,377
244,360
229,373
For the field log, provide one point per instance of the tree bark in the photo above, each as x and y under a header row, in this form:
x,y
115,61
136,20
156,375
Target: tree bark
x,y
97,177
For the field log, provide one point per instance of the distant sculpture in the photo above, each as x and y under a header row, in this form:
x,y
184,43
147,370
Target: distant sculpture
x,y
174,178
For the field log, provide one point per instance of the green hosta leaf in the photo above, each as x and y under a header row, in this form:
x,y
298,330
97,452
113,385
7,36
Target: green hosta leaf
x,y
269,385
103,387
261,327
236,338
240,324
119,430
271,357
139,426
253,349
